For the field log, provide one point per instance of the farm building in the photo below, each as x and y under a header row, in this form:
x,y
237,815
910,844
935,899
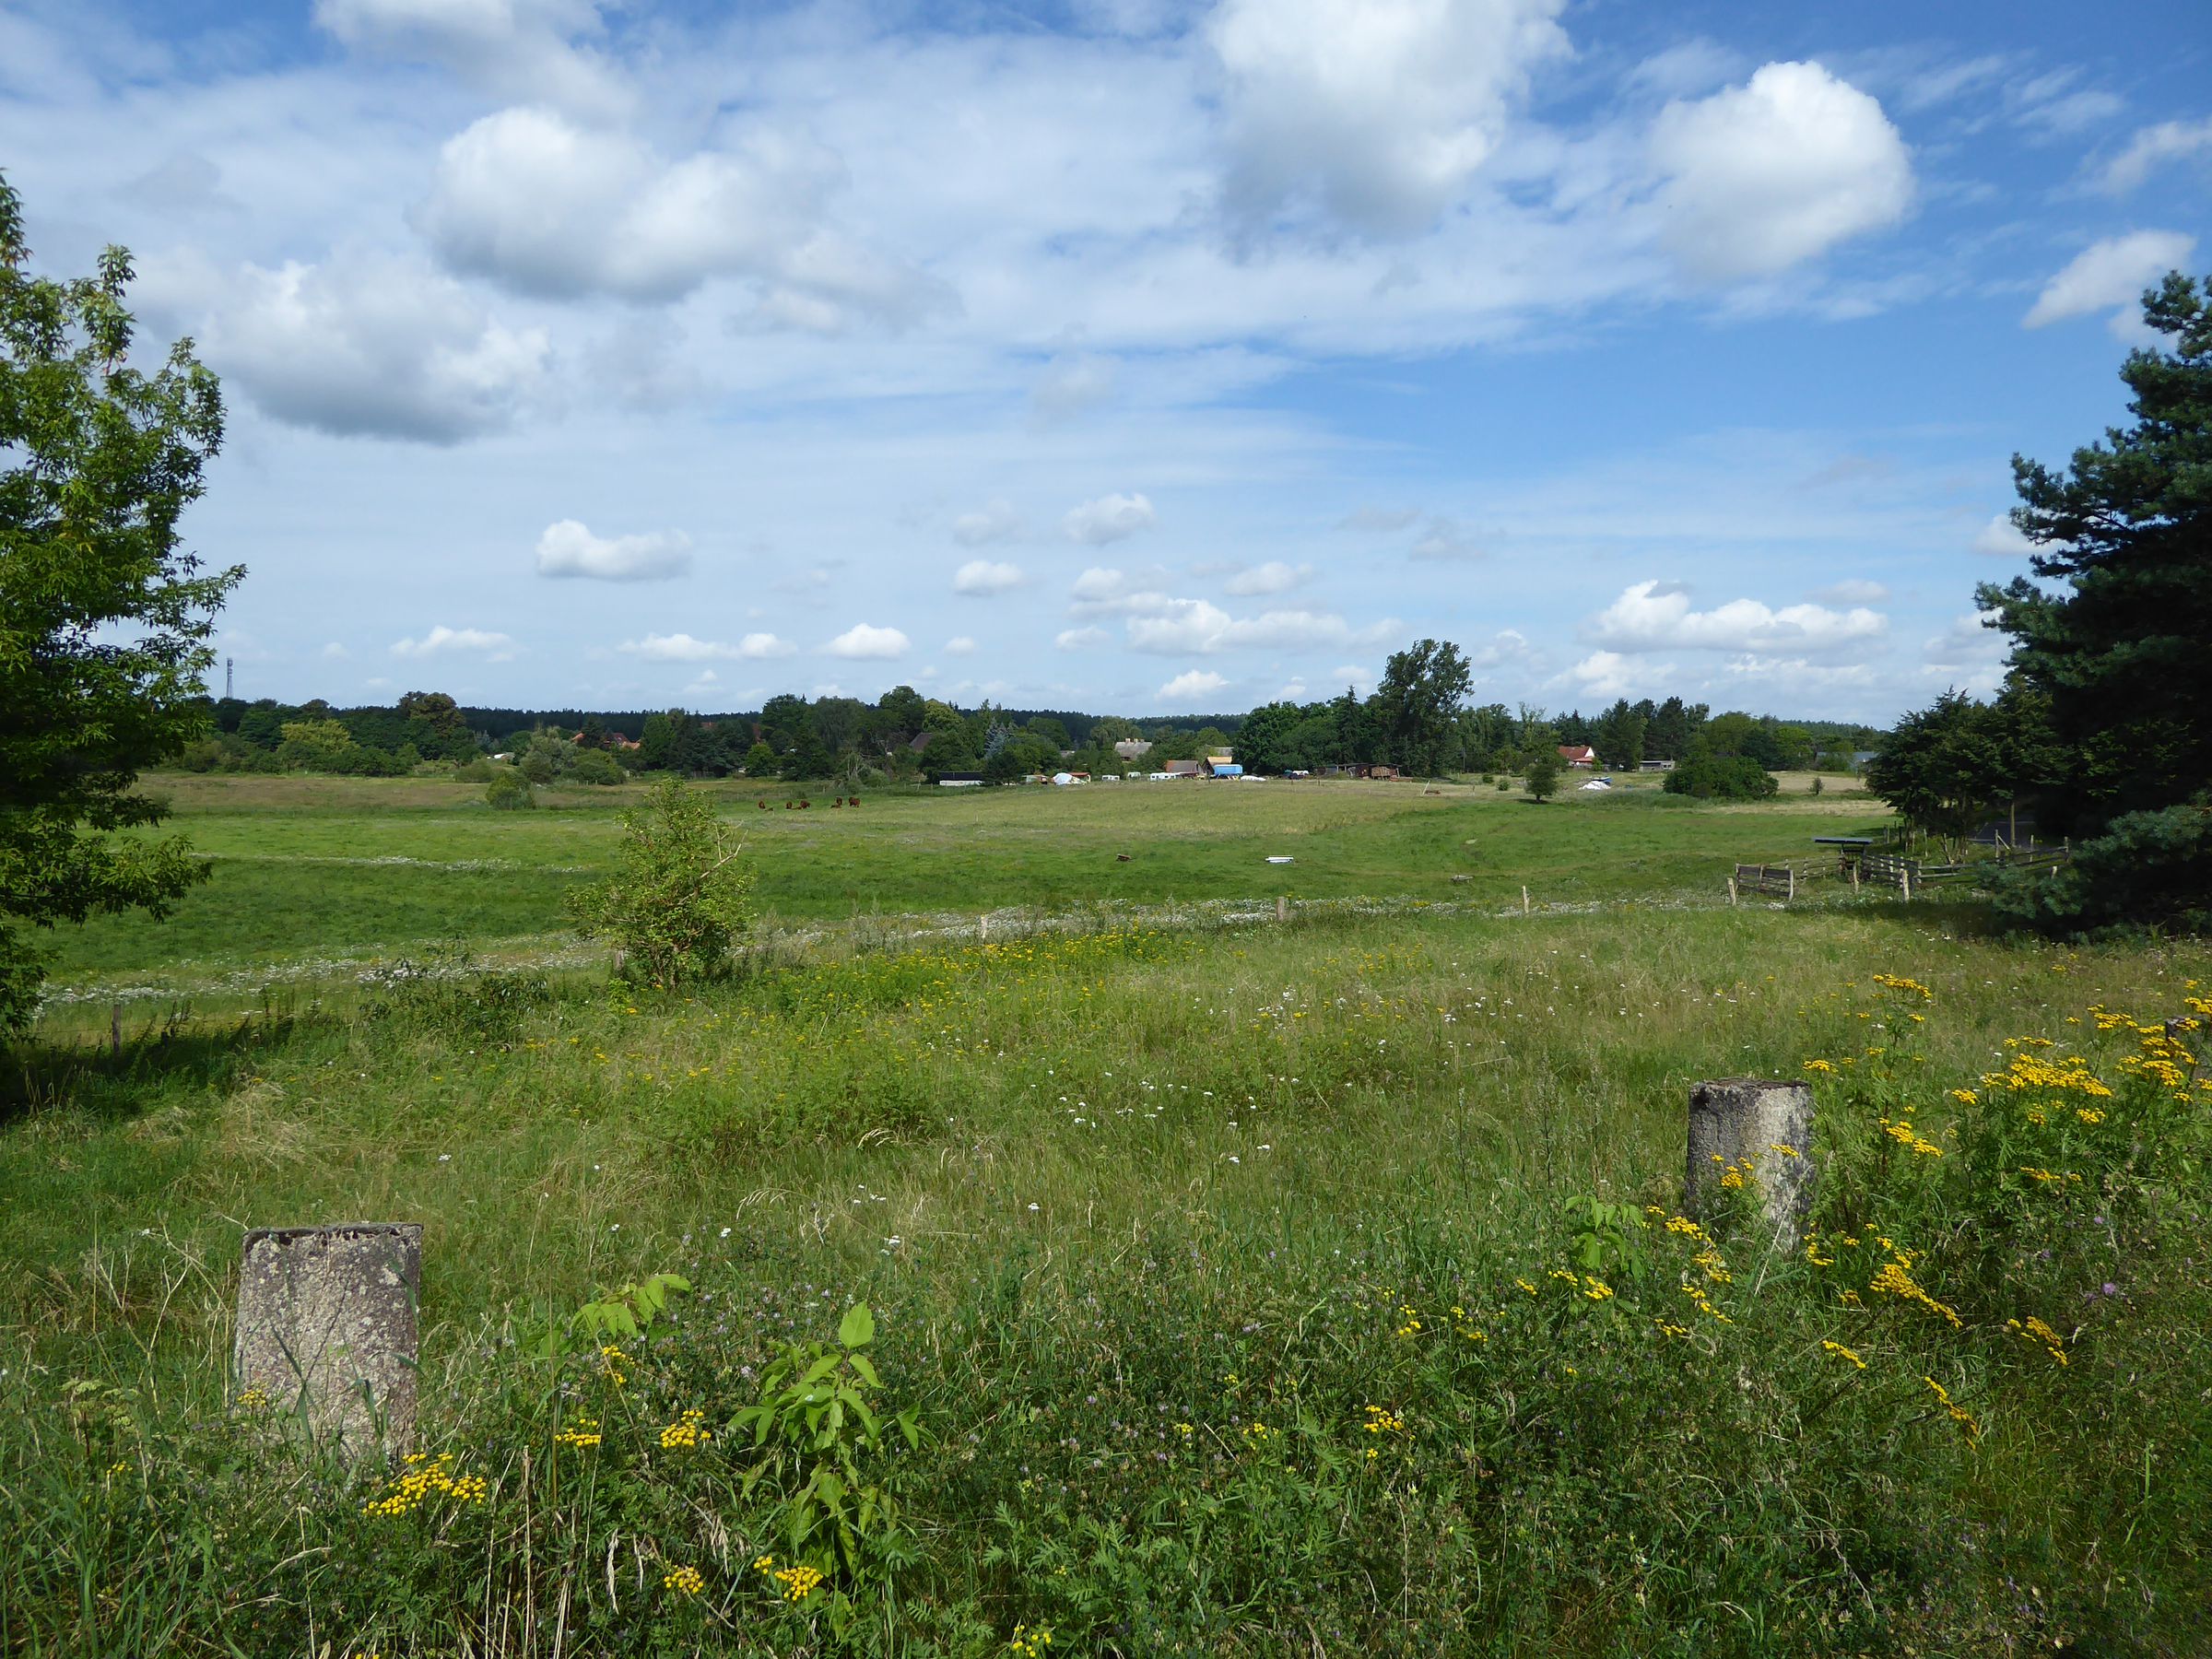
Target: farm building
x,y
1132,748
1578,754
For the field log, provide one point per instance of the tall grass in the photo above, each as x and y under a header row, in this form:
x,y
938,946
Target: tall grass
x,y
1155,1224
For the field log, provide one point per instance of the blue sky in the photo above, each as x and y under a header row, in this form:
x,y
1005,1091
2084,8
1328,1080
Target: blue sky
x,y
1121,354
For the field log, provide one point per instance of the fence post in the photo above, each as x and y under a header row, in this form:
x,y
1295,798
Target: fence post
x,y
1854,876
326,1331
983,926
1793,881
116,1029
1904,883
1282,907
1524,901
1756,1126
1732,890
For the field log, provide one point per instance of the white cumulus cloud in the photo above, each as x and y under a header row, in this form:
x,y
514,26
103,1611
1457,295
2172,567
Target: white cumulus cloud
x,y
1373,114
369,346
1604,674
2109,275
1109,519
865,641
683,648
981,577
1080,639
569,548
1767,175
1653,616
556,209
440,639
1189,686
959,646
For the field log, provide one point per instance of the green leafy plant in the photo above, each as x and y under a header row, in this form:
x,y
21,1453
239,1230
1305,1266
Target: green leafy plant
x,y
814,1427
627,1311
1609,1240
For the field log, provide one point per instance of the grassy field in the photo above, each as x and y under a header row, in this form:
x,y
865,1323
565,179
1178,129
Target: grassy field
x,y
1258,1287
309,870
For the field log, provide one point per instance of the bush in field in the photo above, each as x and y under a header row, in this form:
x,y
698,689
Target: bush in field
x,y
508,791
677,901
598,766
1710,777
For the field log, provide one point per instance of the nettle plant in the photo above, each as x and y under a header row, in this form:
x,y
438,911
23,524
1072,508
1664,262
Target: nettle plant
x,y
814,1427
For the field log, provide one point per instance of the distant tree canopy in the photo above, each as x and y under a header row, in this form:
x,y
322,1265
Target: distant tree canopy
x,y
2101,726
1418,720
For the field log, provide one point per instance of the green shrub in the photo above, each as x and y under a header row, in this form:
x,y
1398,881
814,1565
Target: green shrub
x,y
596,767
678,900
508,791
1721,777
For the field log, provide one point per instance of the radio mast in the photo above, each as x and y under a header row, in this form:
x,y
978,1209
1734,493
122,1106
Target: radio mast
x,y
227,662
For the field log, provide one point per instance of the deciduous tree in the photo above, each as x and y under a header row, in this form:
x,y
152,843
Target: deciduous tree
x,y
104,616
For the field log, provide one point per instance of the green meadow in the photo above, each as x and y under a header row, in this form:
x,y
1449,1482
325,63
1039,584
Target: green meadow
x,y
311,869
1318,1285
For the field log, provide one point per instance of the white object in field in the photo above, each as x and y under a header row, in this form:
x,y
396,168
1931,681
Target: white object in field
x,y
1063,780
1280,858
1598,784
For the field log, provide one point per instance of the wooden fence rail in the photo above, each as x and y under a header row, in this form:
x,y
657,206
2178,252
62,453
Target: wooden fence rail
x,y
1778,880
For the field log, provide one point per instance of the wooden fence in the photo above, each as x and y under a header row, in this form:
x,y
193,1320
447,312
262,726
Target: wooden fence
x,y
1778,880
1862,868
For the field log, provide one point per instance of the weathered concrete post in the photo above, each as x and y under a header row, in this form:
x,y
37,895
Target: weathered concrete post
x,y
1282,907
1760,1123
326,1330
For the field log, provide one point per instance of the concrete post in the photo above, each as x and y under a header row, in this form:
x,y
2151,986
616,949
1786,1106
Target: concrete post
x,y
1749,1121
1282,907
326,1330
